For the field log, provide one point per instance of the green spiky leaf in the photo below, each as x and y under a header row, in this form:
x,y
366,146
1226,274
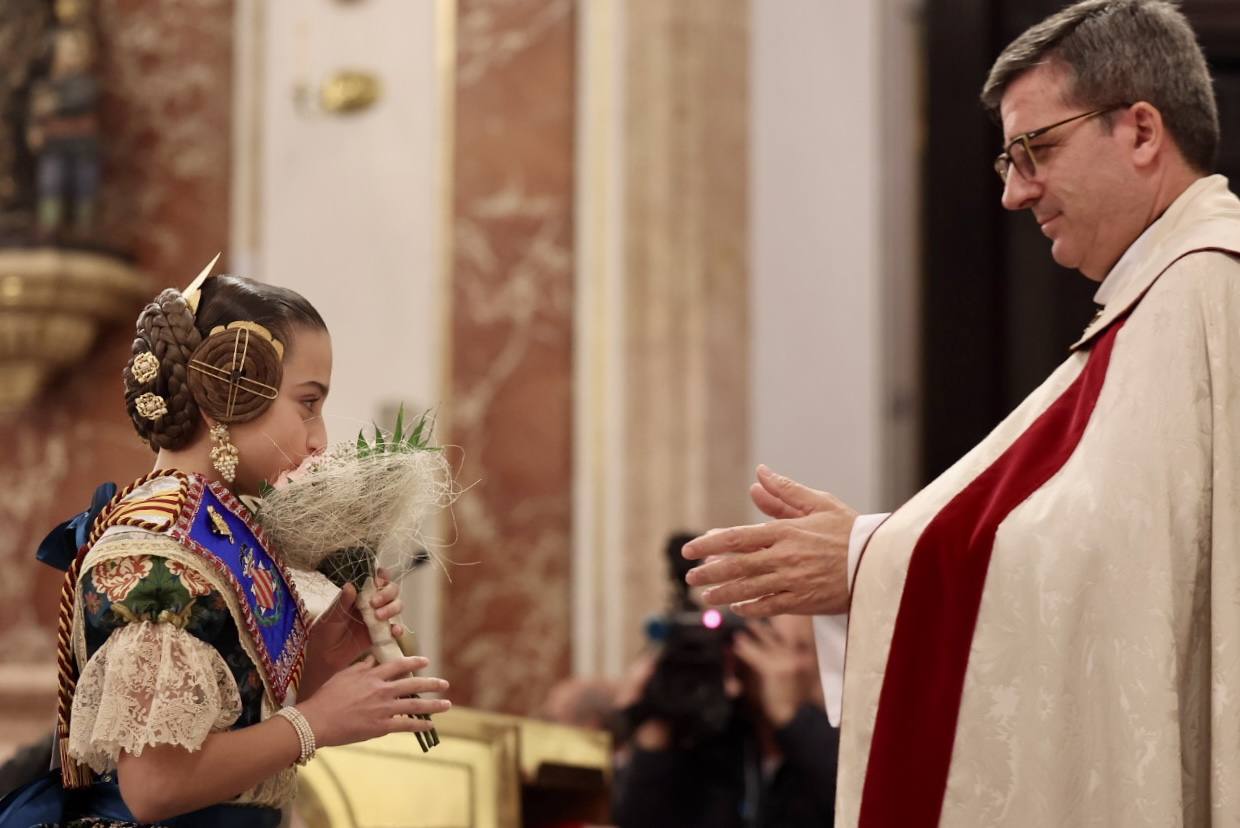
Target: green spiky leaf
x,y
416,439
398,432
406,436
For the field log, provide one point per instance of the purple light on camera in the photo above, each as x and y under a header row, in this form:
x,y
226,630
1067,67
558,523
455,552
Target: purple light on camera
x,y
712,619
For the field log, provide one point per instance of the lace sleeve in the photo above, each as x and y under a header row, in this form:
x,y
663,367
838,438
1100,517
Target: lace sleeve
x,y
149,684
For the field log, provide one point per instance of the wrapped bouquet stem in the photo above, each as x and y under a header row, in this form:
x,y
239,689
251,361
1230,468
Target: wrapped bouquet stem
x,y
360,505
383,646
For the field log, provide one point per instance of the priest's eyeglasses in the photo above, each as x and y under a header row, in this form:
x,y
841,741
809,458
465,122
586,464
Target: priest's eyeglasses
x,y
1020,152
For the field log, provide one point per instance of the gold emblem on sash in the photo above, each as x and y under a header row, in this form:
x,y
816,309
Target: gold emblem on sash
x,y
219,526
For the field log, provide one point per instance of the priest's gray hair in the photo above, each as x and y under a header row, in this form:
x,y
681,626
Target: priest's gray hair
x,y
1123,51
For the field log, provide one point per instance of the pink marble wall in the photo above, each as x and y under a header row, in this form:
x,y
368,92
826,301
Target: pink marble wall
x,y
506,619
167,74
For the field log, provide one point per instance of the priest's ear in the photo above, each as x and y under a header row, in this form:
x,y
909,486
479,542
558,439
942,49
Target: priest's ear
x,y
1149,134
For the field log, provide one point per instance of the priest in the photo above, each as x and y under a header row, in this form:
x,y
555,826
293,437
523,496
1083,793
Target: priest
x,y
1049,633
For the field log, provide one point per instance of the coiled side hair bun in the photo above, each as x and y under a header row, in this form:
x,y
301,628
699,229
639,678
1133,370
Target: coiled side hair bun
x,y
165,329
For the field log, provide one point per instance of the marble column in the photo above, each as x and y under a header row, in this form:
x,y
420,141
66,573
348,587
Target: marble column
x,y
686,251
505,628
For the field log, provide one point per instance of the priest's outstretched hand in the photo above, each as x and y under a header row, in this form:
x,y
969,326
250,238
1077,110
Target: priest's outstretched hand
x,y
796,563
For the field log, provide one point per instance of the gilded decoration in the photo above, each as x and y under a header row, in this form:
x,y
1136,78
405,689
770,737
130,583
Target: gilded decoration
x,y
145,367
58,285
151,406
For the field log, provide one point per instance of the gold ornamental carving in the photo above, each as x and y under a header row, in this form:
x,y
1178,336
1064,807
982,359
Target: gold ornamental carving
x,y
489,771
53,303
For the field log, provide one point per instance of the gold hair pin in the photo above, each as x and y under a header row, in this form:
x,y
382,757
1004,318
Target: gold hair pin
x,y
244,383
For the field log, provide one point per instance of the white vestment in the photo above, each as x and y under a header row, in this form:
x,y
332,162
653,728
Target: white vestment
x,y
1100,681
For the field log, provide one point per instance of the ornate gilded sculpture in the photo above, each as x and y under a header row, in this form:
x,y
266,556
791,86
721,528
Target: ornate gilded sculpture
x,y
24,28
62,131
50,247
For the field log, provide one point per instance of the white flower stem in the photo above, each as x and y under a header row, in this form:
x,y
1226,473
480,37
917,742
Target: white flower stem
x,y
382,645
385,648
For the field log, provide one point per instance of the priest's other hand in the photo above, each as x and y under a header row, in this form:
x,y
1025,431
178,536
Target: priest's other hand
x,y
797,563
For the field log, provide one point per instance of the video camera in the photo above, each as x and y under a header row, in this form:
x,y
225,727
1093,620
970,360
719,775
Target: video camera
x,y
687,689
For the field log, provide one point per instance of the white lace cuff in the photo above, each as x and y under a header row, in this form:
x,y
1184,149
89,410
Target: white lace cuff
x,y
149,684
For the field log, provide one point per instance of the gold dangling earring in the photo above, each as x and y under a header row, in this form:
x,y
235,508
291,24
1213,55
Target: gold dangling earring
x,y
224,454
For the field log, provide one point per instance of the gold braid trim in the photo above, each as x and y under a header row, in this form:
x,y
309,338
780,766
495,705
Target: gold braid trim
x,y
73,774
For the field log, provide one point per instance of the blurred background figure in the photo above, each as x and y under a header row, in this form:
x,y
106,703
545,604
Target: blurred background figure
x,y
724,722
578,702
63,128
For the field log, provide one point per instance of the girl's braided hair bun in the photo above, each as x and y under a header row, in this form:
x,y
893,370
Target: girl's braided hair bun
x,y
167,396
166,330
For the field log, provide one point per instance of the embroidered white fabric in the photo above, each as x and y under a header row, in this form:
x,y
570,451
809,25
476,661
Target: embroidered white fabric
x,y
149,684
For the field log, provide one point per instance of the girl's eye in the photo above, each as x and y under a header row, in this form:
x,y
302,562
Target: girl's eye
x,y
309,404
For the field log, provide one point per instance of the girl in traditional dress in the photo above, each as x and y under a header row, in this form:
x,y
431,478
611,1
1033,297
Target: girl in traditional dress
x,y
192,683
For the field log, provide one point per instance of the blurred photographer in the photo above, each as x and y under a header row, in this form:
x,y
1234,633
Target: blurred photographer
x,y
726,725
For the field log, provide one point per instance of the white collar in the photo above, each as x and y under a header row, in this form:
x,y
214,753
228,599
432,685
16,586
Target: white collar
x,y
1130,265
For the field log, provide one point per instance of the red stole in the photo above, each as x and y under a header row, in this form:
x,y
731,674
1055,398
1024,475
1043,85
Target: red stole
x,y
915,728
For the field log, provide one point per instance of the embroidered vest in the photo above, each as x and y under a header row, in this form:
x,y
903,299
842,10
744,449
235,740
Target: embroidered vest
x,y
206,520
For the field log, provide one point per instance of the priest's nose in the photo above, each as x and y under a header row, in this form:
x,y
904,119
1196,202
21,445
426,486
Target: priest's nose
x,y
1019,193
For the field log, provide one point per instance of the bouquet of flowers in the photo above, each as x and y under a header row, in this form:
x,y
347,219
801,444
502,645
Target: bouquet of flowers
x,y
360,505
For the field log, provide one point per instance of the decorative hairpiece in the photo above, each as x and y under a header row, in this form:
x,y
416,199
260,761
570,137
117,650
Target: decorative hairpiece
x,y
253,327
145,367
194,292
235,373
151,406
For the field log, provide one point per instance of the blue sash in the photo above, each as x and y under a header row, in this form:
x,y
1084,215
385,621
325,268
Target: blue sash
x,y
217,528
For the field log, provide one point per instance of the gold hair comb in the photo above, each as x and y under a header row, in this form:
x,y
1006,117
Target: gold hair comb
x,y
252,327
194,292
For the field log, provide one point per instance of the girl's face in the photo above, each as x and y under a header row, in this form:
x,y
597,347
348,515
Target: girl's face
x,y
292,428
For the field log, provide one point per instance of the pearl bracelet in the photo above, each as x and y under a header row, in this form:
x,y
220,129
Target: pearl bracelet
x,y
304,734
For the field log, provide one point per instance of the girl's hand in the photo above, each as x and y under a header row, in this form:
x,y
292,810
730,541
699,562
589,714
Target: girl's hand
x,y
339,636
366,700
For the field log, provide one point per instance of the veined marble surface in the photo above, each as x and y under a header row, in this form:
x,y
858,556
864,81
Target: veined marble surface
x,y
506,617
167,76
